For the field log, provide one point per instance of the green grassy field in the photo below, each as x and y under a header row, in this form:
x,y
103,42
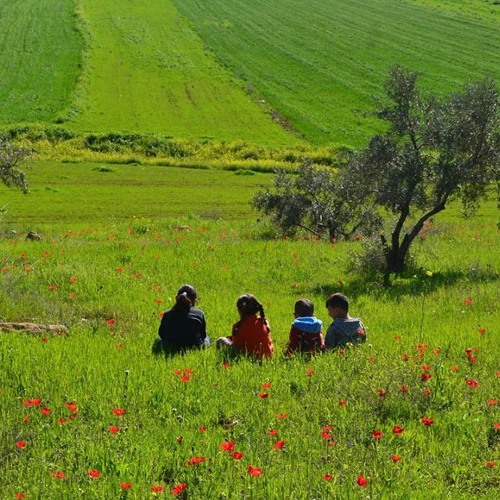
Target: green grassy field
x,y
315,428
39,59
321,63
231,71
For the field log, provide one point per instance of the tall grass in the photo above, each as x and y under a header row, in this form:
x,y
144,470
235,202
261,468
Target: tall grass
x,y
326,425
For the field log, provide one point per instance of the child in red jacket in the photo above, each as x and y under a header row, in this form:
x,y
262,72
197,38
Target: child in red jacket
x,y
251,334
305,334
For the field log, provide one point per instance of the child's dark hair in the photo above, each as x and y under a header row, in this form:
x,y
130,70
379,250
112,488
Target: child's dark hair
x,y
304,307
185,299
338,300
247,304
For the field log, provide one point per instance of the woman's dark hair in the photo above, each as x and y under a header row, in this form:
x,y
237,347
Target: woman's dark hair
x,y
247,304
185,299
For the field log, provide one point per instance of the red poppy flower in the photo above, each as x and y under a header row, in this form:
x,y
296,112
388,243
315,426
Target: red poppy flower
x,y
397,429
362,481
226,365
111,321
471,383
496,426
263,395
426,368
185,378
377,434
125,486
403,389
157,489
73,279
482,331
266,385
94,473
405,357
227,446
490,463
26,419
114,429
20,495
425,377
61,421
282,416
395,458
327,477
342,402
46,411
397,338
326,435
309,372
454,368
381,393
202,429
58,474
468,302
272,432
32,402
436,351
119,411
371,359
71,407
427,421
196,460
21,444
52,287
237,455
427,392
279,445
176,490
254,471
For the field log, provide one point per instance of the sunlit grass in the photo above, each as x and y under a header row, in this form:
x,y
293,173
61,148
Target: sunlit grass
x,y
109,280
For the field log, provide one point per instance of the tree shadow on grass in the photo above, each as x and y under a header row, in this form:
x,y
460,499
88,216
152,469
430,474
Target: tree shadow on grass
x,y
412,284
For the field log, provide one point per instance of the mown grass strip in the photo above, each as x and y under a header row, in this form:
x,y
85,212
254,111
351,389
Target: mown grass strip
x,y
149,72
40,52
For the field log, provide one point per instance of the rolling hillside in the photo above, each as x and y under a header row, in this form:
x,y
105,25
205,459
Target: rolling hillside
x,y
263,72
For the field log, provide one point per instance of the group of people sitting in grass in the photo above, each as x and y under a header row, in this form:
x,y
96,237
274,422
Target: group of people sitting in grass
x,y
183,327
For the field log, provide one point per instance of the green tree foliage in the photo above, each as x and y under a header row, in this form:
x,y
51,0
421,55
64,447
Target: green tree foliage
x,y
11,158
435,150
314,200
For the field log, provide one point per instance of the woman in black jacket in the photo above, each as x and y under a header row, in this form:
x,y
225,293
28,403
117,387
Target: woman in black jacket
x,y
183,326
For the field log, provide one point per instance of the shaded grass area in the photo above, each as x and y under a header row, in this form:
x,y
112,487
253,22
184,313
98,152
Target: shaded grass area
x,y
321,63
41,50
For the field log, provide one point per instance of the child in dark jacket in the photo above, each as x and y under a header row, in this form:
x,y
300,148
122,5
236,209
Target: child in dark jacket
x,y
344,329
305,334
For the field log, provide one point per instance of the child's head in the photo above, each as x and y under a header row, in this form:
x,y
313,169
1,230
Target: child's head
x,y
303,307
186,298
247,305
337,305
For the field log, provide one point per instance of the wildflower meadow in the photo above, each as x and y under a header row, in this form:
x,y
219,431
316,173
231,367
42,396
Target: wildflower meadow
x,y
93,413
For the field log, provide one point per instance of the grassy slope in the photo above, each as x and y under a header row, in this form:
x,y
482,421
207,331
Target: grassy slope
x,y
127,271
64,191
149,73
320,63
39,55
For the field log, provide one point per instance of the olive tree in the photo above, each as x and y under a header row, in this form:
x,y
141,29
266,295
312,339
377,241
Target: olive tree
x,y
11,158
434,150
